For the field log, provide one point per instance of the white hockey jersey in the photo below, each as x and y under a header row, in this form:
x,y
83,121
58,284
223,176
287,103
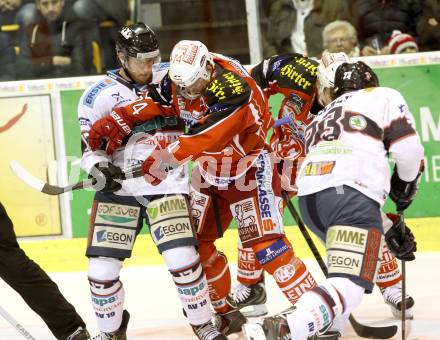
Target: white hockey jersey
x,y
97,101
349,141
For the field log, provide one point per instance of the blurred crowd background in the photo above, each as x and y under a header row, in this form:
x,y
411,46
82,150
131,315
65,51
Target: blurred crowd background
x,y
64,38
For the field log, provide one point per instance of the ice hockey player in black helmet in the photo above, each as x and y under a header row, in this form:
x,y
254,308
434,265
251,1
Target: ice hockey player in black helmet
x,y
353,76
343,183
137,50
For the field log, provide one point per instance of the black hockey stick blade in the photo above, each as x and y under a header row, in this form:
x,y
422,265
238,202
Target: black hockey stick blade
x,y
369,332
373,332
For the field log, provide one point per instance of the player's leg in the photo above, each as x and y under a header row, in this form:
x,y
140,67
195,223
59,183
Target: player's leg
x,y
114,224
258,213
353,229
36,288
228,317
173,233
250,292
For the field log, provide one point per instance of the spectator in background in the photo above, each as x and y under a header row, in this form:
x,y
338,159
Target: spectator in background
x,y
340,36
402,43
94,12
21,12
296,25
7,58
375,20
428,26
54,46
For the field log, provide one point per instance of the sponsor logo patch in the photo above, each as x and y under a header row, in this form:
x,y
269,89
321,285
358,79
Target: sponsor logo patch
x,y
319,168
272,252
244,213
284,273
170,230
117,238
117,215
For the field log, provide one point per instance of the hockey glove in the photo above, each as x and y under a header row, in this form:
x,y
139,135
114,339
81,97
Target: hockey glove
x,y
157,165
402,247
109,132
403,193
105,175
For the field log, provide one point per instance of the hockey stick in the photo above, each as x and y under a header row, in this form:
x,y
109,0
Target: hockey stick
x,y
403,303
365,331
49,189
15,324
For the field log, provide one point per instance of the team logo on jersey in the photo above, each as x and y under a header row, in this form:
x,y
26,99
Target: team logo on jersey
x,y
357,123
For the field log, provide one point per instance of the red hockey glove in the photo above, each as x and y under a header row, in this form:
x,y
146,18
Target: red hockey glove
x,y
108,133
157,165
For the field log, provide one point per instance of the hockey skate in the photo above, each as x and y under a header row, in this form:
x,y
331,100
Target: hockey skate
x,y
250,299
273,328
393,296
120,334
230,322
79,334
208,331
277,328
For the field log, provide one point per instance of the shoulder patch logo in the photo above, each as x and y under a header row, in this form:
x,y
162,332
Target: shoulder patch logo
x,y
358,123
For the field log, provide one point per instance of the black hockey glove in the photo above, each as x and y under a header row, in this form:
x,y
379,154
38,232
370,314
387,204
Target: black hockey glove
x,y
106,173
403,193
402,247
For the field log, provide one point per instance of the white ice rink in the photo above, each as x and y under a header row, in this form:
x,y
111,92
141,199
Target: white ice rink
x,y
156,312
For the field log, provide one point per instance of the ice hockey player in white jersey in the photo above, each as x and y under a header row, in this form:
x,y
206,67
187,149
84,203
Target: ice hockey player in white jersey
x,y
120,207
342,185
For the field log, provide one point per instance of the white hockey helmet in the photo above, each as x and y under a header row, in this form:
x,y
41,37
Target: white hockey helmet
x,y
328,65
188,62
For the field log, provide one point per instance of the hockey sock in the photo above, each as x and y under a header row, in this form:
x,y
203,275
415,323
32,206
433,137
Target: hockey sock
x,y
107,292
217,272
389,273
190,280
249,270
316,309
290,273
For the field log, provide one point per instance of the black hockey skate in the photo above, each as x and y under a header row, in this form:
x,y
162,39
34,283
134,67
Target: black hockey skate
x,y
393,297
251,299
120,334
79,334
208,331
230,322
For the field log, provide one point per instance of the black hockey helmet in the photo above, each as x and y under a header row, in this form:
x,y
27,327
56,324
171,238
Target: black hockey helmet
x,y
137,41
354,76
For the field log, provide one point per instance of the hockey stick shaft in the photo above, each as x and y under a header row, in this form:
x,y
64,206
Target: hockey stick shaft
x,y
384,332
403,303
15,324
49,189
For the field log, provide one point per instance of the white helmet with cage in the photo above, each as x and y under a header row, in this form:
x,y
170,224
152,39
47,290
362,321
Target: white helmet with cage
x,y
328,65
188,62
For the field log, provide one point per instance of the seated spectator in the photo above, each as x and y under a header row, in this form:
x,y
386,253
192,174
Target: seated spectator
x,y
374,21
20,12
428,26
296,25
95,12
402,43
55,45
7,58
340,36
